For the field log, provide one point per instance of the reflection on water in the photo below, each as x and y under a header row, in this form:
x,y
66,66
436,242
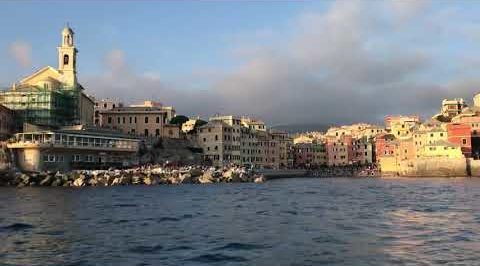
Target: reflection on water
x,y
284,222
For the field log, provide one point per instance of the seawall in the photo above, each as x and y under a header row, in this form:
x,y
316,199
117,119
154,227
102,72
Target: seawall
x,y
437,167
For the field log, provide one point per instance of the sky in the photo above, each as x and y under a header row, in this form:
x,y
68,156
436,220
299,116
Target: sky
x,y
286,62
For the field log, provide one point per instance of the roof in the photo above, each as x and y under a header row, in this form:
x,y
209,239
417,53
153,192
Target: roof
x,y
90,132
136,109
38,72
214,123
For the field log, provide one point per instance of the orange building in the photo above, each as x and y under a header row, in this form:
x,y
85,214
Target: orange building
x,y
461,134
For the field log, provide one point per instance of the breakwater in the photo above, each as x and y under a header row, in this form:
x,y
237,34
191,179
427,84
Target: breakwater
x,y
135,176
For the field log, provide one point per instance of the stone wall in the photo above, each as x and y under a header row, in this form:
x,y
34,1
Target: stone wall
x,y
435,167
474,167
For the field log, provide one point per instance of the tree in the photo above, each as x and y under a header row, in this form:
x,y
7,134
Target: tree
x,y
179,120
199,123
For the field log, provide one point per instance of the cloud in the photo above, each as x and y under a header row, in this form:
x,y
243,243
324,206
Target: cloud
x,y
22,53
406,9
120,82
347,64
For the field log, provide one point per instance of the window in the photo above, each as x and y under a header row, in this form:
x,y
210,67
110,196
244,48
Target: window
x,y
158,120
65,59
146,132
464,141
135,119
109,120
146,119
76,158
130,119
118,120
123,119
157,132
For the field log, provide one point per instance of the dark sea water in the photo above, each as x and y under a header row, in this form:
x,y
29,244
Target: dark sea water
x,y
283,222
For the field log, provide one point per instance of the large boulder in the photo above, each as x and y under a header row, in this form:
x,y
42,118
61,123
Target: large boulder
x,y
46,181
56,182
93,182
186,178
207,177
150,180
259,179
116,181
231,175
136,180
79,182
195,172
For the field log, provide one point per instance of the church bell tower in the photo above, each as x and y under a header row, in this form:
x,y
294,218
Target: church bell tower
x,y
67,59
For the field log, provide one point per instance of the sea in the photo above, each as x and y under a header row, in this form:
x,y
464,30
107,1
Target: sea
x,y
291,221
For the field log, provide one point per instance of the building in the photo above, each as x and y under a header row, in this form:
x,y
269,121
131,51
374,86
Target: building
x,y
401,126
253,124
338,150
7,122
219,143
52,96
103,105
451,108
384,146
408,120
72,148
227,140
147,120
461,135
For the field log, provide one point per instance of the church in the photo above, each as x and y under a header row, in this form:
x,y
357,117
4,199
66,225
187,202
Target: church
x,y
52,96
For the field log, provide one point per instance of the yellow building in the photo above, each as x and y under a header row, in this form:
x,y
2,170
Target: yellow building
x,y
147,120
426,135
442,149
52,96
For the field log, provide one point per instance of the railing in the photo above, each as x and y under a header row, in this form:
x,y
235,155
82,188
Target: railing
x,y
77,144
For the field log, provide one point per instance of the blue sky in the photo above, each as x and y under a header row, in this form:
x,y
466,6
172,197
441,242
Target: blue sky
x,y
167,37
283,61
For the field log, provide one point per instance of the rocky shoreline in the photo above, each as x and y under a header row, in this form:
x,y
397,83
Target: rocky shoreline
x,y
152,175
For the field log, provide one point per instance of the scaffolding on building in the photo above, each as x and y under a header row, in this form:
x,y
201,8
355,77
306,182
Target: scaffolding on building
x,y
43,106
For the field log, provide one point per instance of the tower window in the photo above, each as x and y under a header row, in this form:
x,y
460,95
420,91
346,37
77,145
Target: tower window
x,y
65,59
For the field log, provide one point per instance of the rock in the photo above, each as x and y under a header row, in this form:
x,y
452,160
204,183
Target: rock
x,y
259,179
93,182
231,175
186,179
79,182
195,172
206,178
148,181
46,181
136,180
56,183
126,179
116,181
